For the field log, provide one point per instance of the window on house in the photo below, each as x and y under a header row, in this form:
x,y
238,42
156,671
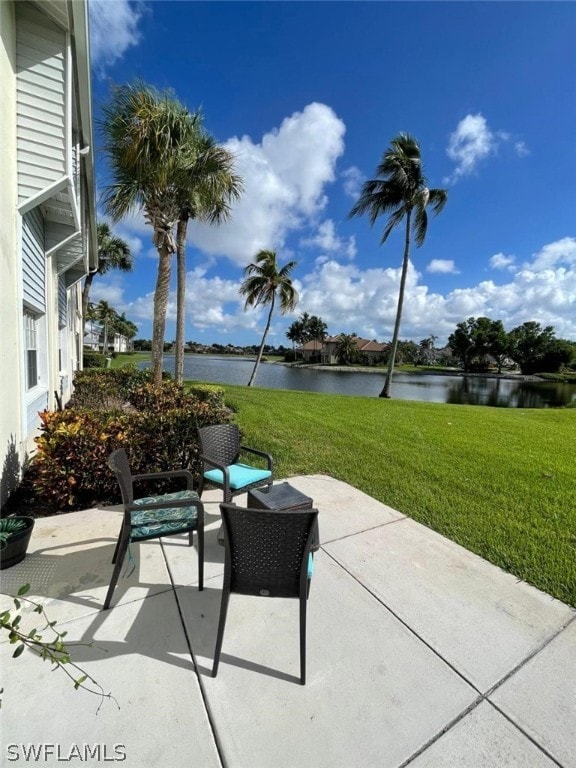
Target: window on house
x,y
31,331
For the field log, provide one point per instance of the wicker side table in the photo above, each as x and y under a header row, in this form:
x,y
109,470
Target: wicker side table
x,y
282,496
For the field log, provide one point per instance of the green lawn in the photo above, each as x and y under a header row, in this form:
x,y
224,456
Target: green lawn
x,y
127,359
501,482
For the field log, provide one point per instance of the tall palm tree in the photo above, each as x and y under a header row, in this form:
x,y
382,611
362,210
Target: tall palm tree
x,y
318,331
346,349
294,334
125,328
107,316
212,187
91,314
264,281
150,140
400,191
113,253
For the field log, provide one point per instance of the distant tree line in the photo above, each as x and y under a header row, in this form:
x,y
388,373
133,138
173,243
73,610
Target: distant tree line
x,y
479,343
196,347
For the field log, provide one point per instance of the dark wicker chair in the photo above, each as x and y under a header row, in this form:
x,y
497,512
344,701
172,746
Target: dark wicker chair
x,y
154,516
220,451
267,554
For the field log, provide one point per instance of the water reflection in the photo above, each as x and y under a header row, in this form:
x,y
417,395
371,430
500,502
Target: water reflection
x,y
461,390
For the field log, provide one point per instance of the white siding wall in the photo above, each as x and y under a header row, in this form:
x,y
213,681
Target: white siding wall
x,y
41,101
34,261
62,303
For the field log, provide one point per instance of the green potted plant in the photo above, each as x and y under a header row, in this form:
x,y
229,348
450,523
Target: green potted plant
x,y
15,535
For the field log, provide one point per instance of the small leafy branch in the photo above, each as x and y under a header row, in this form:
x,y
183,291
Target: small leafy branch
x,y
56,651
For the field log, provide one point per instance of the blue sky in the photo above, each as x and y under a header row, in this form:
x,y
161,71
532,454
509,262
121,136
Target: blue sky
x,y
308,95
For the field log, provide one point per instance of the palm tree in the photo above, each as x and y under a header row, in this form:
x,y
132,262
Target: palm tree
x,y
151,142
318,330
294,334
346,348
91,314
125,328
400,190
211,187
264,280
113,253
107,316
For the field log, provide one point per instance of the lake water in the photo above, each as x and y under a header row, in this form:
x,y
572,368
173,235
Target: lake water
x,y
465,390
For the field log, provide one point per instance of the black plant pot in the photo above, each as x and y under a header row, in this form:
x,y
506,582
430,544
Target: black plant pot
x,y
15,548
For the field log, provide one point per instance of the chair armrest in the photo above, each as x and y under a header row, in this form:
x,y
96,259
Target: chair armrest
x,y
263,454
165,475
222,467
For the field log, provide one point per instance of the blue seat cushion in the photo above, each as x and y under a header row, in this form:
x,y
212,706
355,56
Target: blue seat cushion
x,y
241,475
310,566
164,521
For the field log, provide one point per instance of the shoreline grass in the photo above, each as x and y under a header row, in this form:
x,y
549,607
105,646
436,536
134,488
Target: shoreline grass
x,y
498,481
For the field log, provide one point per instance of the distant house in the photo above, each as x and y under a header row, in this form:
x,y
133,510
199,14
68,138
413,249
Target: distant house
x,y
47,213
371,351
94,339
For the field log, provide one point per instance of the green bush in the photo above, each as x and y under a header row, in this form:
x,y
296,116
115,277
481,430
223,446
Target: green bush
x,y
107,388
70,469
211,394
93,360
158,429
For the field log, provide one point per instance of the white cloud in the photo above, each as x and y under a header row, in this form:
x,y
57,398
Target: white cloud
x,y
501,261
471,142
560,252
442,266
329,242
350,299
113,29
284,180
108,289
353,180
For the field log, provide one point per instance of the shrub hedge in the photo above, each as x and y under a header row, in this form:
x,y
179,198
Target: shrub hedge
x,y
119,408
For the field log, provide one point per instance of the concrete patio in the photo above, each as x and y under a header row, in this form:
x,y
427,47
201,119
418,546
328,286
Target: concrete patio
x,y
419,653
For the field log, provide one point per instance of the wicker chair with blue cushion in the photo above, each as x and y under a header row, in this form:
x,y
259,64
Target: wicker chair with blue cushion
x,y
150,517
267,554
220,450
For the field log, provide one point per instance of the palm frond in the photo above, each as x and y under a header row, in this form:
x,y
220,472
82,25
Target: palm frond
x,y
420,224
394,220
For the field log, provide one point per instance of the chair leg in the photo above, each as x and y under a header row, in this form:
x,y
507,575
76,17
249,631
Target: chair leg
x,y
221,625
118,543
302,641
200,558
121,548
200,486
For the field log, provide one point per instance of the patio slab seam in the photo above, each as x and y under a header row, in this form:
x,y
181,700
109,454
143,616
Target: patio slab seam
x,y
481,695
209,713
365,530
544,644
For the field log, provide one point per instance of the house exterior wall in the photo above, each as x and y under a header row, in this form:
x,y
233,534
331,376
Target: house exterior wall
x,y
47,214
11,387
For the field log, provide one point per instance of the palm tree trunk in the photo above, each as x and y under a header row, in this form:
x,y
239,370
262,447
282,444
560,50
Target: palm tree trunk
x,y
180,296
85,299
392,358
253,376
160,305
